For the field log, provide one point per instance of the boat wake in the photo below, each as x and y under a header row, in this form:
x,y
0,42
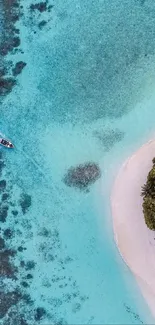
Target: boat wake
x,y
2,135
37,167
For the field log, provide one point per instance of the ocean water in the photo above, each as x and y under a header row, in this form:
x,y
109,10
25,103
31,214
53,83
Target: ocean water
x,y
86,94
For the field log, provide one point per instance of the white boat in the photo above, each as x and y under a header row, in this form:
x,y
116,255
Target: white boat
x,y
6,143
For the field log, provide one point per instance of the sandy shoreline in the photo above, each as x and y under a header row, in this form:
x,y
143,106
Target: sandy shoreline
x,y
135,241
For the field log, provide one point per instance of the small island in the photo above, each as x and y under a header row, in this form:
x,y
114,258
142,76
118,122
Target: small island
x,y
148,194
133,212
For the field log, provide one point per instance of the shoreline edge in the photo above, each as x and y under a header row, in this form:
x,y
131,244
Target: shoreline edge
x,y
135,242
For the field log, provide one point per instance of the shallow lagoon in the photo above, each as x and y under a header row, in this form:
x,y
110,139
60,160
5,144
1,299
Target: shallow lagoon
x,y
86,94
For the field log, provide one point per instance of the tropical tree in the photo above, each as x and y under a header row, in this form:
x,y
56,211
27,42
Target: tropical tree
x,y
148,194
149,212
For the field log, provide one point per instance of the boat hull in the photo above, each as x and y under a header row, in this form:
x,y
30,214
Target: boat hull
x,y
6,143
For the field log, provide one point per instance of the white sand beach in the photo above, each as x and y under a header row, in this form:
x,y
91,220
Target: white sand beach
x,y
135,241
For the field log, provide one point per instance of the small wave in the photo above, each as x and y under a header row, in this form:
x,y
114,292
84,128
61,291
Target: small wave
x,y
2,134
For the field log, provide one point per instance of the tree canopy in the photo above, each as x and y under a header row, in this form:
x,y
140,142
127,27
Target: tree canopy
x,y
148,193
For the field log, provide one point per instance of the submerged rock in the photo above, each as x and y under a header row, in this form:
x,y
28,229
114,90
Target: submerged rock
x,y
29,276
42,24
82,176
18,68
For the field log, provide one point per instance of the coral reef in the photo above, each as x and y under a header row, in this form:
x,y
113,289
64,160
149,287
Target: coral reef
x,y
82,176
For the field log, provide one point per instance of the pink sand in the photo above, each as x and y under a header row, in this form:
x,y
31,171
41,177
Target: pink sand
x,y
135,241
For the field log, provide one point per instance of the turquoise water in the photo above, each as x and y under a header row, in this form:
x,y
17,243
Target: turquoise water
x,y
86,94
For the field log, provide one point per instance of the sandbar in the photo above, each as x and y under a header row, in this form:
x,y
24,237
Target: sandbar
x,y
136,243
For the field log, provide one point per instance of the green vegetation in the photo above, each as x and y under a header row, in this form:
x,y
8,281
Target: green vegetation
x,y
148,193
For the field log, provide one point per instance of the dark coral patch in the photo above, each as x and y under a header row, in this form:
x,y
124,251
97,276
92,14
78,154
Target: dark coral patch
x,y
44,232
7,269
76,307
16,30
41,6
42,24
8,233
18,68
6,85
24,284
2,165
30,265
15,318
3,72
11,13
16,41
49,257
10,41
27,299
21,249
5,196
23,321
40,312
22,263
82,176
2,185
3,213
109,138
9,46
2,243
8,300
50,7
25,202
14,212
29,276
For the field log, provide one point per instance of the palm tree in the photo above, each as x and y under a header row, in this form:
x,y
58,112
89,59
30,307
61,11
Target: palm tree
x,y
146,190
